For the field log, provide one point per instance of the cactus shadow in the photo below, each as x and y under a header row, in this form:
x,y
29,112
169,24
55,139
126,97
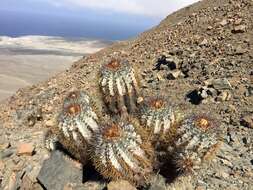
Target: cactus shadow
x,y
90,174
168,169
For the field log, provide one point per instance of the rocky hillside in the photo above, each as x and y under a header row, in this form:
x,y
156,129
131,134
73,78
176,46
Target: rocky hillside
x,y
201,57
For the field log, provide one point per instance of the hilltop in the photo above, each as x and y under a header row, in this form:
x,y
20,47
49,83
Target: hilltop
x,y
201,57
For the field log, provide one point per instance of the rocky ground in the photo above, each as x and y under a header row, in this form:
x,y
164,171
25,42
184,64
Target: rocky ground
x,y
201,57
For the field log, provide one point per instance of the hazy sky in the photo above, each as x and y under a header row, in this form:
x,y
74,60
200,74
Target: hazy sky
x,y
108,19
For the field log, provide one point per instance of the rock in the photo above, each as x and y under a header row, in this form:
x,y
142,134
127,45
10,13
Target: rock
x,y
247,121
223,22
25,149
87,186
1,165
158,183
203,93
120,185
172,62
174,75
92,185
239,50
5,145
239,29
224,96
6,153
49,123
12,182
249,91
59,170
204,42
221,84
27,184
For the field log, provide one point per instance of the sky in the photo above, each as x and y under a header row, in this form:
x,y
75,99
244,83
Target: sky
x,y
103,19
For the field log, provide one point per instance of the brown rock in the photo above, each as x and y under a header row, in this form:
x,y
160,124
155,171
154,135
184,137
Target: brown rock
x,y
120,185
25,149
247,121
1,165
239,29
224,22
5,145
49,123
12,182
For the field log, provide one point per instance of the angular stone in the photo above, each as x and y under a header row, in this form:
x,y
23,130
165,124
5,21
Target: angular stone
x,y
224,22
120,185
204,42
49,123
158,183
6,153
239,29
87,186
27,184
221,84
5,145
174,75
59,170
25,149
247,121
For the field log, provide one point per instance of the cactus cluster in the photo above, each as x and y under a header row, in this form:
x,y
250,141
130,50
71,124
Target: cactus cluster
x,y
120,145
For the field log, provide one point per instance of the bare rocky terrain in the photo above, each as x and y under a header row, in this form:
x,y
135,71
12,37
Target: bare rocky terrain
x,y
201,57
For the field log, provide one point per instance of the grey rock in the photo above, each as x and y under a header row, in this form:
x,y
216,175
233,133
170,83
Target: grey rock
x,y
6,153
120,185
239,29
173,62
158,183
249,91
58,170
174,75
94,185
87,186
204,93
204,42
224,22
239,50
247,121
224,96
221,84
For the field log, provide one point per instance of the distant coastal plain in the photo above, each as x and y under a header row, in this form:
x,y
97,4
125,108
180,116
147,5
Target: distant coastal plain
x,y
28,60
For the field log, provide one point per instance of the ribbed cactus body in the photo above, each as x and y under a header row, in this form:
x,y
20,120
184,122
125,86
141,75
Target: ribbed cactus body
x,y
121,152
77,123
119,86
197,142
78,119
158,116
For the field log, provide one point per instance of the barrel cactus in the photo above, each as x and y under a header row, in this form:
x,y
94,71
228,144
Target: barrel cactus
x,y
122,151
119,86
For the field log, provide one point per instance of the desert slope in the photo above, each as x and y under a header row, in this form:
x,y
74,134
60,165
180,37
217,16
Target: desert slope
x,y
28,60
200,57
